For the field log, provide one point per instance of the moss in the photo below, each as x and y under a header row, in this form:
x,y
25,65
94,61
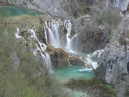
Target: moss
x,y
59,56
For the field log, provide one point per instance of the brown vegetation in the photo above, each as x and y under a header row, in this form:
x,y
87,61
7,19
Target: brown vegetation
x,y
93,87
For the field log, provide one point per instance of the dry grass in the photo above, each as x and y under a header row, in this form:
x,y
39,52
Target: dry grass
x,y
26,21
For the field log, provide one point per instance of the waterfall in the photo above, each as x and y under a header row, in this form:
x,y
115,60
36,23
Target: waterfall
x,y
74,42
107,3
48,61
32,33
117,3
17,34
68,26
94,64
53,36
124,4
37,48
51,30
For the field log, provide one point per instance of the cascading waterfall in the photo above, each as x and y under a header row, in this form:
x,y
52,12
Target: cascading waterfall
x,y
37,48
53,34
51,29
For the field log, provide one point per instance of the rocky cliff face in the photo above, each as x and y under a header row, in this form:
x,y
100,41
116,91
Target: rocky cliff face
x,y
114,60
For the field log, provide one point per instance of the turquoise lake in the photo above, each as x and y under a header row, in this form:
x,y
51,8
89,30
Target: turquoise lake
x,y
16,11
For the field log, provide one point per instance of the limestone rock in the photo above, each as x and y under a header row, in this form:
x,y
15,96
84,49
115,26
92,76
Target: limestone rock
x,y
115,58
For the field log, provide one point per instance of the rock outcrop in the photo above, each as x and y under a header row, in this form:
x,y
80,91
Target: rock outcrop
x,y
114,59
59,57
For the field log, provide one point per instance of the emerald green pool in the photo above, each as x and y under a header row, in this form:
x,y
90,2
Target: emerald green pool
x,y
72,72
16,11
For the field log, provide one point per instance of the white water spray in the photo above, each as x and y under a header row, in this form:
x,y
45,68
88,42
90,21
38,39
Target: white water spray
x,y
39,48
53,34
51,31
68,26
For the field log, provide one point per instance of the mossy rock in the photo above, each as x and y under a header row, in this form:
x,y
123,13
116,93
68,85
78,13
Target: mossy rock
x,y
59,57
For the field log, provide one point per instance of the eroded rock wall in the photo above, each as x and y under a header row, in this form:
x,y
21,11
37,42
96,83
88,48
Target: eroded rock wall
x,y
115,58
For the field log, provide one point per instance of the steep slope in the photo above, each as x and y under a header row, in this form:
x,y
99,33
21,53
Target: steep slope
x,y
114,61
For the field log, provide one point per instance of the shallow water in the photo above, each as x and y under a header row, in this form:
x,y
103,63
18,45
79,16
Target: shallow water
x,y
16,11
72,72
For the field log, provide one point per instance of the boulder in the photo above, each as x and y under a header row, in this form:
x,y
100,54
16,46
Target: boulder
x,y
59,57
